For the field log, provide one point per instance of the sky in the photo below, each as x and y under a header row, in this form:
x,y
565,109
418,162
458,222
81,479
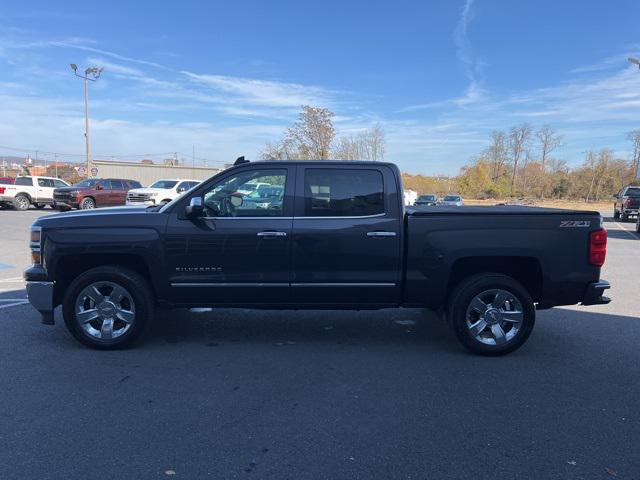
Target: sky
x,y
224,78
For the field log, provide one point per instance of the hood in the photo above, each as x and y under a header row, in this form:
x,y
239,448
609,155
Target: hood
x,y
68,189
100,218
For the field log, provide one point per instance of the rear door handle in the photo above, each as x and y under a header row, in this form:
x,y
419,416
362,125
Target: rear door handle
x,y
272,234
381,234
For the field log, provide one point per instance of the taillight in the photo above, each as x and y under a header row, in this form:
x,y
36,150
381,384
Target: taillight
x,y
597,247
627,203
2,190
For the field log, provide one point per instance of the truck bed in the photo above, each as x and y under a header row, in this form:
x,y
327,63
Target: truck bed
x,y
493,210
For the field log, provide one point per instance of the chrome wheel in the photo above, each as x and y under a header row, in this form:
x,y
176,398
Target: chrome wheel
x,y
494,317
105,310
22,202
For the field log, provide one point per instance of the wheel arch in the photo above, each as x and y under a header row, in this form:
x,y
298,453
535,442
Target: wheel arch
x,y
526,270
68,267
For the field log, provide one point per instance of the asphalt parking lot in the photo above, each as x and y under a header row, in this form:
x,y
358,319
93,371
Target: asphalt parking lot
x,y
321,395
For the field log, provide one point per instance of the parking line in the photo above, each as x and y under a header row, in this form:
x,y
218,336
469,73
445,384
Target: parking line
x,y
24,302
633,234
11,280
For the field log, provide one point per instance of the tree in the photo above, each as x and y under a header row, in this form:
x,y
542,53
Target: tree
x,y
519,138
548,140
496,154
313,133
367,145
634,136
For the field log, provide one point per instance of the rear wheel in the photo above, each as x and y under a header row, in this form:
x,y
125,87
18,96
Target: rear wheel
x,y
624,217
21,202
491,314
108,307
638,223
87,203
616,213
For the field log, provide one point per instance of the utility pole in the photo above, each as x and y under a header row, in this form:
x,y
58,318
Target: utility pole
x,y
91,74
193,156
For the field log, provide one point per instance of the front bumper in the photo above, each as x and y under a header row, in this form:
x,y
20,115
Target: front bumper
x,y
40,295
138,204
594,293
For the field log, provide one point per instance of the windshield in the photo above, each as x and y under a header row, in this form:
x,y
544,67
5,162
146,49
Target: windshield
x,y
452,198
633,192
427,198
89,182
166,184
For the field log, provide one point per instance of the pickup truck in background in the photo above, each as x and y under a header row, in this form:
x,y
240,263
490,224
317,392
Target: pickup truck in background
x,y
27,191
94,192
627,202
339,238
160,192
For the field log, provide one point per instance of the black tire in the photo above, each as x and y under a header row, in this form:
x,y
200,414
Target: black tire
x,y
616,213
624,217
21,202
135,285
638,223
165,201
466,292
87,203
39,206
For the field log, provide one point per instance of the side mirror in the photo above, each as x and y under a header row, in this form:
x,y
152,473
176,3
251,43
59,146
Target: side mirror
x,y
195,208
236,200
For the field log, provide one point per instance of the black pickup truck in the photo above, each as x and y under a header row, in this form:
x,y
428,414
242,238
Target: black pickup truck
x,y
627,202
338,238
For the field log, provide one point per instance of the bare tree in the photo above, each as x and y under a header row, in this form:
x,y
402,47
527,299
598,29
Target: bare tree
x,y
519,139
634,136
548,140
313,133
367,145
496,154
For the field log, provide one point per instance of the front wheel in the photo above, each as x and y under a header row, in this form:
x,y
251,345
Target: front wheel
x,y
87,204
108,307
491,314
624,217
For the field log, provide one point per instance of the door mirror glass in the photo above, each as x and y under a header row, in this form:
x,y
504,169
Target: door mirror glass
x,y
194,209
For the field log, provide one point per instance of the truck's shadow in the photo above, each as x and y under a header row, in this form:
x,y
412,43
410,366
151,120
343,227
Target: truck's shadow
x,y
291,327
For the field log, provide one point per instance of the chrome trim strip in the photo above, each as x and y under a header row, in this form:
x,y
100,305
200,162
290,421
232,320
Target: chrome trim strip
x,y
343,284
381,234
221,284
253,285
296,218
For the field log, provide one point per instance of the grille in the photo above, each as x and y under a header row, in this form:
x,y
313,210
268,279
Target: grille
x,y
61,196
138,197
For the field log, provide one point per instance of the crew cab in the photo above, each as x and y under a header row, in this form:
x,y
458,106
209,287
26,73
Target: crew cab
x,y
340,239
428,200
29,190
94,192
627,202
162,191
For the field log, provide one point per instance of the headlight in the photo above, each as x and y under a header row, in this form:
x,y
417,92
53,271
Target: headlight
x,y
35,242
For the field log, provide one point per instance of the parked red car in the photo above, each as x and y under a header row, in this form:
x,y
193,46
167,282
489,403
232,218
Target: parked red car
x,y
93,192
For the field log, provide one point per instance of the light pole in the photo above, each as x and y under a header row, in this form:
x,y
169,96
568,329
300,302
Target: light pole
x,y
90,74
634,60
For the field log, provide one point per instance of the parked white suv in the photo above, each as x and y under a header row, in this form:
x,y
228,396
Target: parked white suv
x,y
27,191
162,191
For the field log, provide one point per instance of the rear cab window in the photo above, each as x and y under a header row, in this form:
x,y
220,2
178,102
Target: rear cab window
x,y
343,192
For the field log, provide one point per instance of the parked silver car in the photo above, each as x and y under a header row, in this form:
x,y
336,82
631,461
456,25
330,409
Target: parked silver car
x,y
452,201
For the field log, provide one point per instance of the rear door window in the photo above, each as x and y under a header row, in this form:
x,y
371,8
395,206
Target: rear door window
x,y
341,192
24,181
117,185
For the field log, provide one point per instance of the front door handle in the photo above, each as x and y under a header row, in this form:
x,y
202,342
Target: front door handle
x,y
381,234
272,234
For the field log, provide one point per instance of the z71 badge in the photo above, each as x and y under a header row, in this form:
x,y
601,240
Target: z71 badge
x,y
575,223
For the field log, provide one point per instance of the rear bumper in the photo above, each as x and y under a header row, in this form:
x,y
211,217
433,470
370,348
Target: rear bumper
x,y
630,211
594,293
